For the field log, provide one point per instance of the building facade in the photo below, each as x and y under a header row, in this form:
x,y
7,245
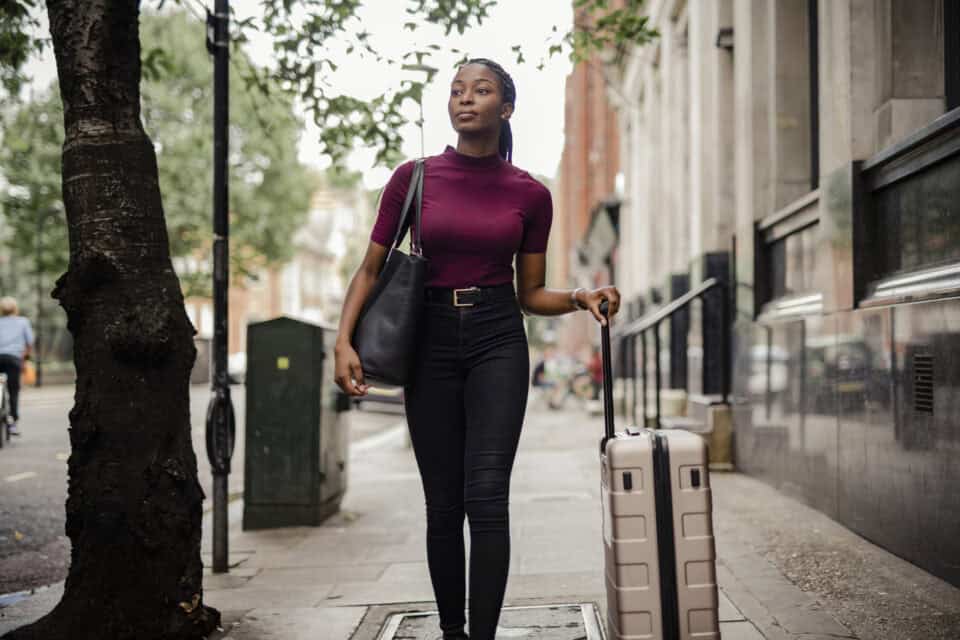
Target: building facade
x,y
807,153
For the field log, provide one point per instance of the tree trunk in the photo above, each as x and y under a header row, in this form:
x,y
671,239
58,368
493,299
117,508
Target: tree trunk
x,y
134,504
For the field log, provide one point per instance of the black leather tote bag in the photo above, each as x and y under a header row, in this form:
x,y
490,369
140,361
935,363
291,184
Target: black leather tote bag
x,y
386,330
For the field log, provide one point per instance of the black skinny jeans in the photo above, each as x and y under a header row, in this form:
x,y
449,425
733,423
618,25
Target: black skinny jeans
x,y
11,365
465,406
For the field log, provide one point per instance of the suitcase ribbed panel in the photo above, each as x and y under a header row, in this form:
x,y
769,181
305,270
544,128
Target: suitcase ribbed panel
x,y
630,539
693,537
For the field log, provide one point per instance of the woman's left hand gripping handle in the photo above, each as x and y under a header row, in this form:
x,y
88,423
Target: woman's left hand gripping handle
x,y
348,373
608,295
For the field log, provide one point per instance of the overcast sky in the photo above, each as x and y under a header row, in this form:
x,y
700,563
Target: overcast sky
x,y
537,122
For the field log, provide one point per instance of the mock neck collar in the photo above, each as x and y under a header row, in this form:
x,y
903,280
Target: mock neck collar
x,y
463,160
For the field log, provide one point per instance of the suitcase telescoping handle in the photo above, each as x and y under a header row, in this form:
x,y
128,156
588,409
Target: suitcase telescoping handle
x,y
607,376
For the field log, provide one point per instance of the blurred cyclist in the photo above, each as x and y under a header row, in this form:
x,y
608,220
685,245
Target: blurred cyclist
x,y
16,343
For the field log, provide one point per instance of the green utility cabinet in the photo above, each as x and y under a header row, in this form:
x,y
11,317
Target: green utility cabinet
x,y
295,464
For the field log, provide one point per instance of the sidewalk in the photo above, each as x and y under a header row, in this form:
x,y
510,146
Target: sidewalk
x,y
366,566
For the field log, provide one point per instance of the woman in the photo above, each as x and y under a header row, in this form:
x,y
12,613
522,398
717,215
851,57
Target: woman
x,y
16,341
467,396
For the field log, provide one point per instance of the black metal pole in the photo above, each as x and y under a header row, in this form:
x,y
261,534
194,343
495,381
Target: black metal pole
x,y
643,376
220,421
623,350
726,339
768,372
633,380
656,368
38,333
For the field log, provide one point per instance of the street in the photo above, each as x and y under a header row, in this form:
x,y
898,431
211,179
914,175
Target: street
x,y
757,192
784,569
33,478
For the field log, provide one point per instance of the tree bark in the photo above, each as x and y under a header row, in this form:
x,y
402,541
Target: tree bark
x,y
134,504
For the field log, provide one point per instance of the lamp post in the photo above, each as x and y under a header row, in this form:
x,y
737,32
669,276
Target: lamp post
x,y
38,329
220,429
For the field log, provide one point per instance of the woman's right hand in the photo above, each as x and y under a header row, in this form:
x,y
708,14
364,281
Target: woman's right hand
x,y
348,374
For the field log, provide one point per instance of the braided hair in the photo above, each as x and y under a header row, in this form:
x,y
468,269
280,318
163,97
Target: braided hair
x,y
509,95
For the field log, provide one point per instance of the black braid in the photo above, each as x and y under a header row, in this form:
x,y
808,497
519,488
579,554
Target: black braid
x,y
509,95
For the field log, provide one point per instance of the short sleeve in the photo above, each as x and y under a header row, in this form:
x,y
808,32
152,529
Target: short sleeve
x,y
27,332
391,201
537,222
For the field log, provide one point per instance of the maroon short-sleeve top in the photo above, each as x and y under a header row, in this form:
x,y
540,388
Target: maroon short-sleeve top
x,y
478,213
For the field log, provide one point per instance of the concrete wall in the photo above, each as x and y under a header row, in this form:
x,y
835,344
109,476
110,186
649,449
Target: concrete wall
x,y
720,142
716,140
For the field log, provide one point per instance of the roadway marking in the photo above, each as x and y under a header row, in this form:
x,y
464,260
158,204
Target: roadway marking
x,y
21,476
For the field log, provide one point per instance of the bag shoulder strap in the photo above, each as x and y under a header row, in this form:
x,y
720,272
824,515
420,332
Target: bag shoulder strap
x,y
418,247
414,190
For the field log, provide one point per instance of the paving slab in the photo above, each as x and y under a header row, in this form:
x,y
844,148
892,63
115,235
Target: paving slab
x,y
574,621
728,612
740,631
366,593
233,580
287,578
765,536
344,580
253,598
293,624
555,585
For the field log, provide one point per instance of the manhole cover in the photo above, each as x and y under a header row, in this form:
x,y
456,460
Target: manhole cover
x,y
541,622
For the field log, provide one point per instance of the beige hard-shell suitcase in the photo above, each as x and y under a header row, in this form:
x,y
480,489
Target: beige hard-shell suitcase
x,y
657,530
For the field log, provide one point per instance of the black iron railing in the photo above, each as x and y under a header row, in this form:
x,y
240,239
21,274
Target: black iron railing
x,y
651,322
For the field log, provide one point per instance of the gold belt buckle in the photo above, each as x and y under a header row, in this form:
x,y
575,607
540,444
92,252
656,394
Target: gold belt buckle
x,y
456,299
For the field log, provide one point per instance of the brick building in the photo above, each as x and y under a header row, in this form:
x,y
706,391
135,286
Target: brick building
x,y
587,195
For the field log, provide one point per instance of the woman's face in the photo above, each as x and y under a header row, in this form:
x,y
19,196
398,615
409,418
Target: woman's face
x,y
476,101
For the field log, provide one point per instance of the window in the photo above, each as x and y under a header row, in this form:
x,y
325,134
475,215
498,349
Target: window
x,y
917,219
912,224
787,245
791,261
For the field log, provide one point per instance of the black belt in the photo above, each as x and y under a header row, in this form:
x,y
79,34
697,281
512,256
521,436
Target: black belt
x,y
469,296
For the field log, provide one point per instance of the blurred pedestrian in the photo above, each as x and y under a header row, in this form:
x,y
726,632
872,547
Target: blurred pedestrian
x,y
468,394
16,344
541,374
539,377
